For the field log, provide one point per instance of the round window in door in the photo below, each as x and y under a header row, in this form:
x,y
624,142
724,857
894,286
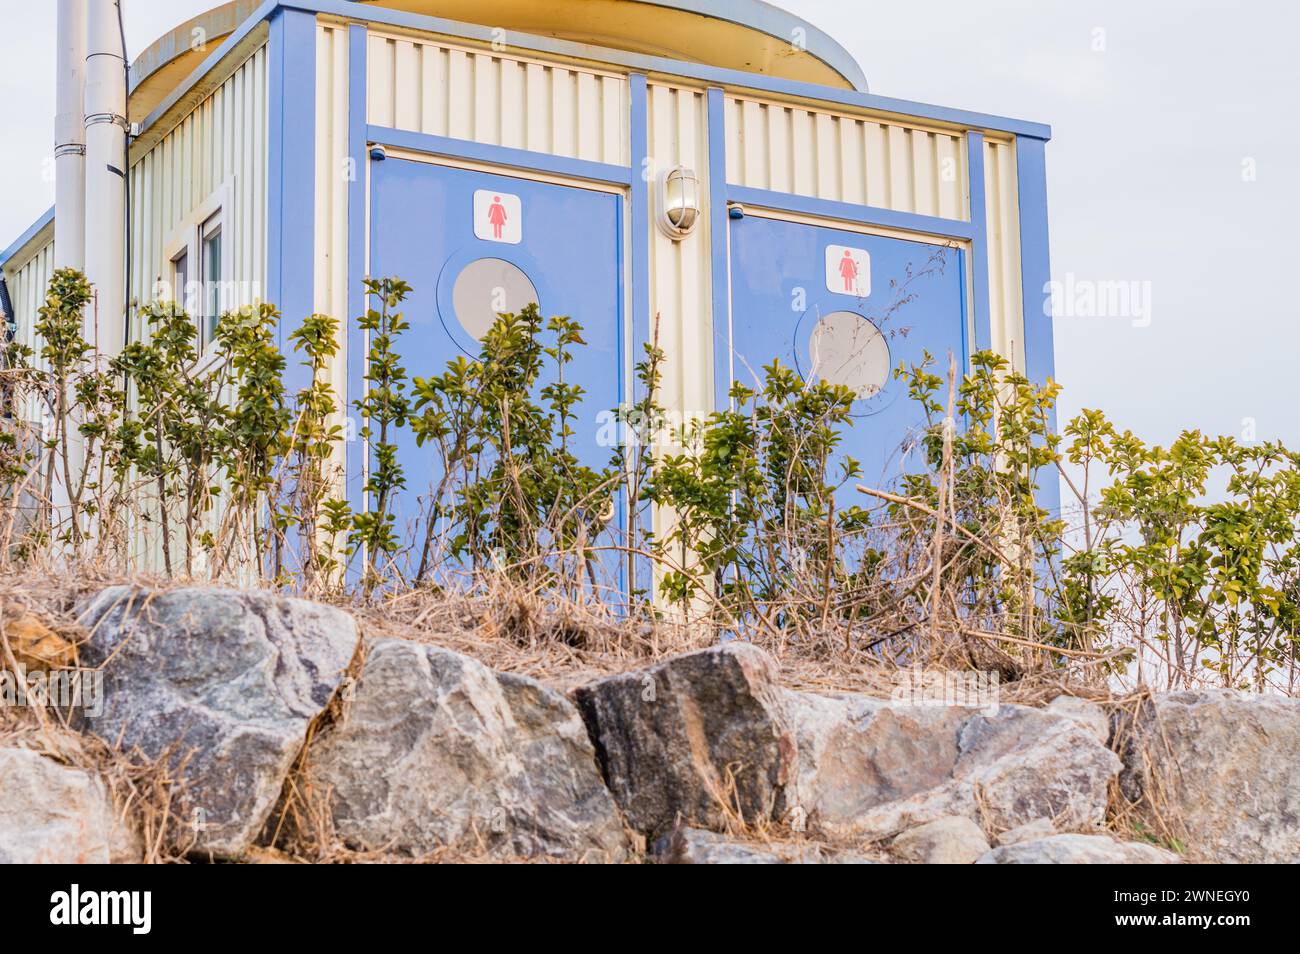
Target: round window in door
x,y
487,287
845,348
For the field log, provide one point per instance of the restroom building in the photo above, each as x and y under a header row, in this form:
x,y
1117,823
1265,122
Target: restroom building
x,y
720,166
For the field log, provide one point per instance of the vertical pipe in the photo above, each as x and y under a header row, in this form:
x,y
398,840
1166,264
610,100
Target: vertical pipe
x,y
70,137
106,176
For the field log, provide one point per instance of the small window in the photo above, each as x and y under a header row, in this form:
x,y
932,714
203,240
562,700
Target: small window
x,y
180,278
210,257
196,262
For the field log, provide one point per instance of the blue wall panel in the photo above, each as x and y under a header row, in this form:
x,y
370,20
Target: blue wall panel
x,y
291,182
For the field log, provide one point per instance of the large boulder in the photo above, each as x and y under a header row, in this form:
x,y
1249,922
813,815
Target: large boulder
x,y
223,683
857,753
1222,769
52,813
435,750
1078,850
699,738
871,768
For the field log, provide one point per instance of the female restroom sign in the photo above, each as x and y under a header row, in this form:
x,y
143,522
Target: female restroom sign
x,y
498,217
848,271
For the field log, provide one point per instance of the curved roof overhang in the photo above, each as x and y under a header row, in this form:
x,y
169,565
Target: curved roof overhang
x,y
747,35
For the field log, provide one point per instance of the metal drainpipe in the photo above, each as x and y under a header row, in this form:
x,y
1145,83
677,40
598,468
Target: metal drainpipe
x,y
70,137
106,128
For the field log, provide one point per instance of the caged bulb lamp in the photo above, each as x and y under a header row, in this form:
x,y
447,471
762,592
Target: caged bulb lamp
x,y
679,202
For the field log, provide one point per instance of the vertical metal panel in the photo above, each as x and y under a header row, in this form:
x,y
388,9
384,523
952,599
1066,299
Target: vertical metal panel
x,y
428,87
221,142
681,276
351,345
719,250
338,167
844,158
334,169
1003,231
1035,269
681,288
977,202
341,169
1035,276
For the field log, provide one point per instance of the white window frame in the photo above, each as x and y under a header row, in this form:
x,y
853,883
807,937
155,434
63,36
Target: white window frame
x,y
187,239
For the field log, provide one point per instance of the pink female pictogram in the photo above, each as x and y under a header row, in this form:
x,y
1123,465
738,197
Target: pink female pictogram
x,y
849,271
496,215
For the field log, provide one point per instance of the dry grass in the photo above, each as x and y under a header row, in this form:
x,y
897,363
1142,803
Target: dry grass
x,y
565,643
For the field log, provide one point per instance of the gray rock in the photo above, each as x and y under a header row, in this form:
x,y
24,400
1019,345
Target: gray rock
x,y
697,846
695,738
954,840
1078,850
1032,831
57,814
872,769
1222,767
1087,713
224,683
1028,763
436,750
857,753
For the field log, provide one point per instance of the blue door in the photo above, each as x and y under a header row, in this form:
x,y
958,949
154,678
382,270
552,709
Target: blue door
x,y
472,244
848,308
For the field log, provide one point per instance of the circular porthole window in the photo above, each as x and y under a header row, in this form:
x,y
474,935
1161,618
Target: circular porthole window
x,y
847,349
485,288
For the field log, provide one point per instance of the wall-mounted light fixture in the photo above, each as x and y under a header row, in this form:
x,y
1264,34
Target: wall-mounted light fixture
x,y
679,202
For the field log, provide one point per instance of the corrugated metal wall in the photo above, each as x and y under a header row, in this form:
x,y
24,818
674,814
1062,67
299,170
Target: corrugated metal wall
x,y
846,158
335,170
680,272
220,144
27,293
680,290
442,90
222,141
1001,196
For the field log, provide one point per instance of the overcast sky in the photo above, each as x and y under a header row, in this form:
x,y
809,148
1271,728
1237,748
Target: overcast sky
x,y
1174,165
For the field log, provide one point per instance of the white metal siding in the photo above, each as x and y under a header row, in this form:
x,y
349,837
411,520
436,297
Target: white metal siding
x,y
680,271
223,140
335,172
1006,318
845,158
441,90
220,144
27,291
27,286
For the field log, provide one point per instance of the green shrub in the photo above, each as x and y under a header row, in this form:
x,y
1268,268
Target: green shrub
x,y
766,529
